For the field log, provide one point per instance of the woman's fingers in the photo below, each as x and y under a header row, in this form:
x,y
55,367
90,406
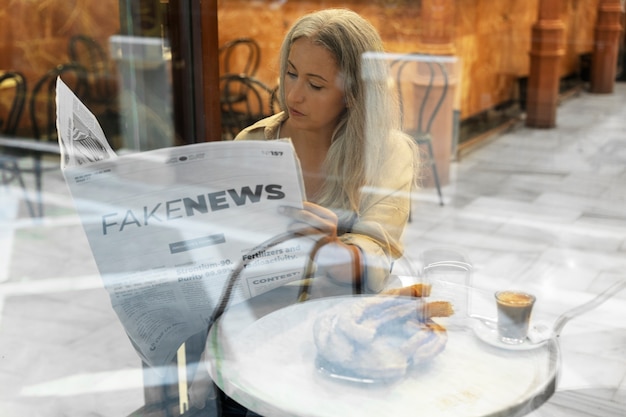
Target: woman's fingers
x,y
339,261
313,219
320,211
302,229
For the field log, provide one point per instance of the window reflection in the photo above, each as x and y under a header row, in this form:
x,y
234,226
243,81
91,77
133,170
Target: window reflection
x,y
142,67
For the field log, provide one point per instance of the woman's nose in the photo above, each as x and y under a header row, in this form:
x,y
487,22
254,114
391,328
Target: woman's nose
x,y
295,93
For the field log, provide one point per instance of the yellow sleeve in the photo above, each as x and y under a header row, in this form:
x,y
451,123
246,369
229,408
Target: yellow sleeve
x,y
384,213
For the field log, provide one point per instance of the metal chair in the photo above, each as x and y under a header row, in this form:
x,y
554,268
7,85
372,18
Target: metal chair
x,y
100,95
42,106
16,80
422,133
13,82
240,56
43,97
257,102
88,53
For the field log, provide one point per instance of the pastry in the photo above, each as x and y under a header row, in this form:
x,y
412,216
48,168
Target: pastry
x,y
380,337
415,290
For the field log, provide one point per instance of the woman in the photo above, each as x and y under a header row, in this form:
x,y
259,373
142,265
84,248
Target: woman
x,y
358,168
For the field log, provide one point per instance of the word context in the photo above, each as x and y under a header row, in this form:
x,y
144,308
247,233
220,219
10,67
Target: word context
x,y
188,207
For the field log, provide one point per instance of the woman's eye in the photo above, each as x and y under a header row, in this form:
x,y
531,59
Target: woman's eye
x,y
316,87
291,74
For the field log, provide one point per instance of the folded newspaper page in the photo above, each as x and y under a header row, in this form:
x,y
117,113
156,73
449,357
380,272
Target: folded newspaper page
x,y
167,227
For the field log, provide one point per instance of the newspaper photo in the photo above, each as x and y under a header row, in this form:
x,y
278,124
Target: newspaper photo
x,y
167,227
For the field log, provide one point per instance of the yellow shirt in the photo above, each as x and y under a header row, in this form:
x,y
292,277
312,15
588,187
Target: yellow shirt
x,y
384,208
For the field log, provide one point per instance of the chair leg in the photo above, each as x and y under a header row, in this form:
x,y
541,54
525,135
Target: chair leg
x,y
14,171
436,178
38,173
433,167
29,204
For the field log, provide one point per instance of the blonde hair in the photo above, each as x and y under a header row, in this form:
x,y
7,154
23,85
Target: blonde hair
x,y
360,142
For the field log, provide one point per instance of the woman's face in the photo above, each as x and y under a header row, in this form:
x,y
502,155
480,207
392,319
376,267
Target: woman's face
x,y
314,89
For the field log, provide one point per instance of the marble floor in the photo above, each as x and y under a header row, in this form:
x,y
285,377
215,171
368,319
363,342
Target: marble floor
x,y
538,209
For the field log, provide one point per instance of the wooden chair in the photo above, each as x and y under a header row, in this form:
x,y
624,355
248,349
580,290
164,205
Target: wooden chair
x,y
42,106
257,102
13,82
422,133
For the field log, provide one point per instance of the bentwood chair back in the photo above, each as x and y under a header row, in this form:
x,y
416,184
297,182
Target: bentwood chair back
x,y
42,108
422,133
240,56
13,83
42,103
88,53
100,94
257,102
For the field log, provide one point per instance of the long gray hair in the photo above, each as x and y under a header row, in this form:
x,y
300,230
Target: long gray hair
x,y
359,145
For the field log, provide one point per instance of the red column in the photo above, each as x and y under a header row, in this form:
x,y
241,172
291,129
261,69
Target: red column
x,y
545,57
606,46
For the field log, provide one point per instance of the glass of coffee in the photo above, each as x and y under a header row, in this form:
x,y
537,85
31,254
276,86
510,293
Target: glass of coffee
x,y
514,309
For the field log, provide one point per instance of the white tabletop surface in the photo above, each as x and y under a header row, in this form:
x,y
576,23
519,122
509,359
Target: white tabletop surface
x,y
263,355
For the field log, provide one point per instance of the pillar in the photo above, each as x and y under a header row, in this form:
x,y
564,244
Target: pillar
x,y
547,48
606,46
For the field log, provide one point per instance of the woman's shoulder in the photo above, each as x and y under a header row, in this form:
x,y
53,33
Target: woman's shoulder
x,y
263,129
402,159
401,145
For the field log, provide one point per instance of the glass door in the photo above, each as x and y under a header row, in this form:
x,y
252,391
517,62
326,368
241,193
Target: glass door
x,y
164,53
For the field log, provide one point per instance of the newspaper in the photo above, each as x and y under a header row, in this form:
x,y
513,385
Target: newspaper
x,y
167,227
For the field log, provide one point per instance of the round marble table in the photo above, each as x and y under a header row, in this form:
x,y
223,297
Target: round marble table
x,y
262,354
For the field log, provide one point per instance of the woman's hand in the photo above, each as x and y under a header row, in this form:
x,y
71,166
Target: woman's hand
x,y
313,219
339,261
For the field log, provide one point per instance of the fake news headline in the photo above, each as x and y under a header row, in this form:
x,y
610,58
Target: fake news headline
x,y
183,207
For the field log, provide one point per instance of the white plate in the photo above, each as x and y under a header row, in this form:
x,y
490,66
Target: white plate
x,y
327,369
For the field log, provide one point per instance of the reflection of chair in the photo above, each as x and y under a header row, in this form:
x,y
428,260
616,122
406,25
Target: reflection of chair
x,y
240,56
13,83
99,95
274,101
44,95
42,108
422,133
257,102
88,53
